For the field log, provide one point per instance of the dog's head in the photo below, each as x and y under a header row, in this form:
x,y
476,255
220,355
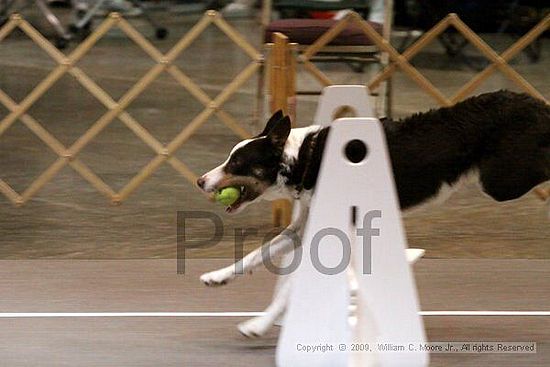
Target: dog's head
x,y
252,165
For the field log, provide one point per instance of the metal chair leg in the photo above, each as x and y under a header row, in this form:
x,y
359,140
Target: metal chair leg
x,y
160,32
81,22
63,35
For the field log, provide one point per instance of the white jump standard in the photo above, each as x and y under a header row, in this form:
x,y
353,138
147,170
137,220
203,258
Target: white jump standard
x,y
345,219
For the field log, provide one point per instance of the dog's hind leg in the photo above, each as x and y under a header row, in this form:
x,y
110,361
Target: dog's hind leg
x,y
516,167
503,185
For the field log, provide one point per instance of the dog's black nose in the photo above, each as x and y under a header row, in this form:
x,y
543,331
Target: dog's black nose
x,y
200,182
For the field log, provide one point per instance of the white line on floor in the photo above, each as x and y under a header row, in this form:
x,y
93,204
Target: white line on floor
x,y
484,313
127,314
244,314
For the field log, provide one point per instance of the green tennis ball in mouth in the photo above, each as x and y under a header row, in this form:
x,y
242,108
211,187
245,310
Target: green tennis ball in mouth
x,y
228,196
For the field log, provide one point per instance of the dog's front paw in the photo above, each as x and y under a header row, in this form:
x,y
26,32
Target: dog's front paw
x,y
255,327
218,277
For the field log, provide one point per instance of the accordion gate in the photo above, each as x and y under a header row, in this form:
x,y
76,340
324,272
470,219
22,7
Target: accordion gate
x,y
66,64
164,63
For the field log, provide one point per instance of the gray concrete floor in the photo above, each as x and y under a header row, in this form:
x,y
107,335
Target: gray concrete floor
x,y
153,285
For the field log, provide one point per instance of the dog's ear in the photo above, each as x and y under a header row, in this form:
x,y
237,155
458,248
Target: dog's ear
x,y
279,133
271,123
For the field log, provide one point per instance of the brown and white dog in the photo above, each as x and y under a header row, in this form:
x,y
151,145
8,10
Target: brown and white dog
x,y
501,139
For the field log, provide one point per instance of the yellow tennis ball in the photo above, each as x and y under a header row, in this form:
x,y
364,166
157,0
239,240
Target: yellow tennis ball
x,y
228,195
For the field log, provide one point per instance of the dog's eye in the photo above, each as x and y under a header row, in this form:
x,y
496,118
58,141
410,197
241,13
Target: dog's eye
x,y
233,164
258,171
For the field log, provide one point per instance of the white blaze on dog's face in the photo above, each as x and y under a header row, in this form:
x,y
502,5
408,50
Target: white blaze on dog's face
x,y
252,165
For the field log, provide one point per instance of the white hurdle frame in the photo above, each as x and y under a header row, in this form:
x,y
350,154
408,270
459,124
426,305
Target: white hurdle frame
x,y
387,306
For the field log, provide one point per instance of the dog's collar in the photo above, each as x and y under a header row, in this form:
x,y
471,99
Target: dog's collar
x,y
312,146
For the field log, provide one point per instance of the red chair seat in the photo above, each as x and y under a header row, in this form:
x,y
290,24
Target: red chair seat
x,y
306,31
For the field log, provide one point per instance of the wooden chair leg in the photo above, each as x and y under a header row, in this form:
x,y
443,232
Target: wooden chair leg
x,y
282,213
543,194
282,93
